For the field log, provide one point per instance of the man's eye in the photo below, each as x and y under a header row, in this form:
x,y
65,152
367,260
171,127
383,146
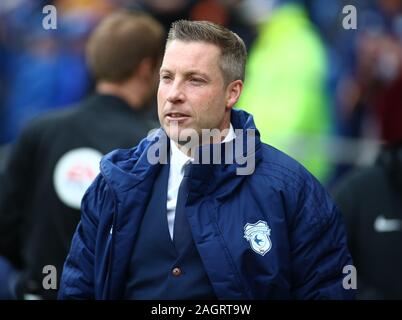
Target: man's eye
x,y
197,80
165,77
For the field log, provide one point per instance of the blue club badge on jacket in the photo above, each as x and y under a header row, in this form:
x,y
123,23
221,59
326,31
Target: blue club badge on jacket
x,y
257,235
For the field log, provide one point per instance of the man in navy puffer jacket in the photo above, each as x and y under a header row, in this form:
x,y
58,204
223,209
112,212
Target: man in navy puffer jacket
x,y
227,217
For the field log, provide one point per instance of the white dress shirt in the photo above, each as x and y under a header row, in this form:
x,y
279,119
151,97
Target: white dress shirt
x,y
176,172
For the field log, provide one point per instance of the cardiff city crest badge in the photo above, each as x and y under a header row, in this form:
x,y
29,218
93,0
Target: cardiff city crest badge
x,y
257,235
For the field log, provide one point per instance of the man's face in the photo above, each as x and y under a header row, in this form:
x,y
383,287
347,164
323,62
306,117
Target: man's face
x,y
192,93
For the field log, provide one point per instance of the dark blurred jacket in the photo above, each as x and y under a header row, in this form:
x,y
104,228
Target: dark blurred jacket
x,y
371,201
37,216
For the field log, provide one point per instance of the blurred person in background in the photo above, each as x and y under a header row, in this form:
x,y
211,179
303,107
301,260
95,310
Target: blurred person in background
x,y
57,156
376,84
368,76
286,85
371,202
371,198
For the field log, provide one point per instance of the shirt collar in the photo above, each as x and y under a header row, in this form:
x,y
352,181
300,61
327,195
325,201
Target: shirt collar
x,y
179,159
230,136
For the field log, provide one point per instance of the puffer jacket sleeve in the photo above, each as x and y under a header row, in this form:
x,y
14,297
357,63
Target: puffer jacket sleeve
x,y
319,249
77,281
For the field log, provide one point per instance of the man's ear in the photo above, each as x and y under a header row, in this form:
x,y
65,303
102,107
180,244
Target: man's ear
x,y
233,92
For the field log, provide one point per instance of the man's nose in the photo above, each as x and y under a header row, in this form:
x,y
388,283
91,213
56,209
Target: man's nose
x,y
176,94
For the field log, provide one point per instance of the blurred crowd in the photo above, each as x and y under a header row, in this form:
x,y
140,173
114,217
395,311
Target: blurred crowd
x,y
330,97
